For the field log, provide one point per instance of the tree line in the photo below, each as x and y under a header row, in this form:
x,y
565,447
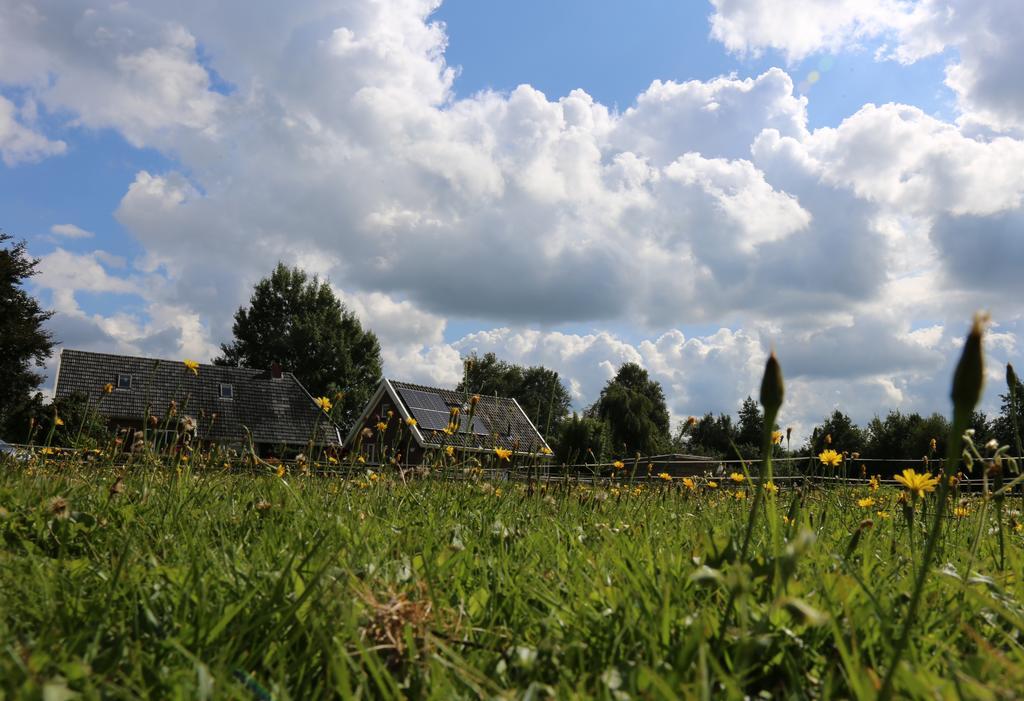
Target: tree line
x,y
297,320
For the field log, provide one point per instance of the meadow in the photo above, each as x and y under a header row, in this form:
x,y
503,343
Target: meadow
x,y
190,576
211,584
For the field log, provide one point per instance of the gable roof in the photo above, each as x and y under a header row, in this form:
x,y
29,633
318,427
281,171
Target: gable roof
x,y
276,410
499,422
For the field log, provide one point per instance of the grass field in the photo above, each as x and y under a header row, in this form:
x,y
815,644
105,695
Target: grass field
x,y
168,583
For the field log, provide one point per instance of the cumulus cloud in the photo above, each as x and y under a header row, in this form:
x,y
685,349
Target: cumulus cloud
x,y
19,143
331,137
985,35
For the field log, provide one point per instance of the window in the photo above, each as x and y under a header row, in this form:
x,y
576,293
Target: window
x,y
227,391
124,381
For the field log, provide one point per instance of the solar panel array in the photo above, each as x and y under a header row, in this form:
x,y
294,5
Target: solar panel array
x,y
432,414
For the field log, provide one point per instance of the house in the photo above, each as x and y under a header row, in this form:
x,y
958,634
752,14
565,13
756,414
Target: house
x,y
221,401
412,419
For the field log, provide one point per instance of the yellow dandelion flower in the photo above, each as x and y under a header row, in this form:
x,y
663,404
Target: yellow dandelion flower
x,y
771,488
830,458
361,460
664,476
917,484
410,421
883,514
280,470
777,437
618,465
450,450
545,451
108,388
961,512
712,484
690,484
323,402
503,453
866,502
381,426
191,365
738,477
739,495
332,460
58,421
874,483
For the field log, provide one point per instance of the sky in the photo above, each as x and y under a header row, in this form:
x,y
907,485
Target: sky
x,y
685,185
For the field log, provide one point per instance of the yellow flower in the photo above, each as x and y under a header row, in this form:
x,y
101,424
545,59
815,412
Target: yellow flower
x,y
108,388
739,495
503,453
787,520
192,366
874,483
776,436
450,450
738,477
410,421
917,484
381,426
830,458
497,492
961,512
474,400
689,484
360,460
664,476
331,459
618,465
866,502
771,488
280,470
712,484
883,514
545,451
58,421
323,402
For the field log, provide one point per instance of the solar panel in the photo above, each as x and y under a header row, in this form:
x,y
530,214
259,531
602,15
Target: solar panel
x,y
432,420
417,399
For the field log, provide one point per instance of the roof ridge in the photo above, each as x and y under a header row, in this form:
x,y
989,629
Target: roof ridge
x,y
165,360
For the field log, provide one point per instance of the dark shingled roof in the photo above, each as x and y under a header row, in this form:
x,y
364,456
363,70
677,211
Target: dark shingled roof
x,y
276,411
505,422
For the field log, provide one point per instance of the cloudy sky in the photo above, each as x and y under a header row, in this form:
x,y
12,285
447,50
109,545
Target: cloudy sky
x,y
576,184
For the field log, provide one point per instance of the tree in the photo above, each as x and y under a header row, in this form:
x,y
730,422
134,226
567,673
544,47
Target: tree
x,y
539,390
297,321
24,344
750,427
634,408
1008,427
711,436
845,435
581,440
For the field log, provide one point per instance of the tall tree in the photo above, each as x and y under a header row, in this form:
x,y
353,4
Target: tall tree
x,y
750,427
838,432
581,439
539,390
1008,427
24,344
297,321
712,436
633,406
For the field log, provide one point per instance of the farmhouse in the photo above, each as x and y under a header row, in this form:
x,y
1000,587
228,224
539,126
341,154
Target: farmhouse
x,y
411,419
220,402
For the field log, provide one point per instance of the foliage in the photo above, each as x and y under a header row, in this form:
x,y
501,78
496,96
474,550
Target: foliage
x,y
838,432
1002,427
300,323
633,406
582,439
539,390
156,583
24,344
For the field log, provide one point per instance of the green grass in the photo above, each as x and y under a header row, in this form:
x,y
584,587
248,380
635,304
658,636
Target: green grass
x,y
225,585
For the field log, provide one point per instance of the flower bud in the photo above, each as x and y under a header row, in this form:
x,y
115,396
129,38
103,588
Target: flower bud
x,y
969,375
772,389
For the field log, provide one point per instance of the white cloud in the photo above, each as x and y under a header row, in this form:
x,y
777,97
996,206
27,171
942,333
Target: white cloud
x,y
19,143
985,35
341,147
70,231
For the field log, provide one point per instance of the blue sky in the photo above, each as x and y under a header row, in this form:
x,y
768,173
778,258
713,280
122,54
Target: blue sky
x,y
763,203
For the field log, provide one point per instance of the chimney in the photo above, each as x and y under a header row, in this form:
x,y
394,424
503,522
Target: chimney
x,y
275,370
